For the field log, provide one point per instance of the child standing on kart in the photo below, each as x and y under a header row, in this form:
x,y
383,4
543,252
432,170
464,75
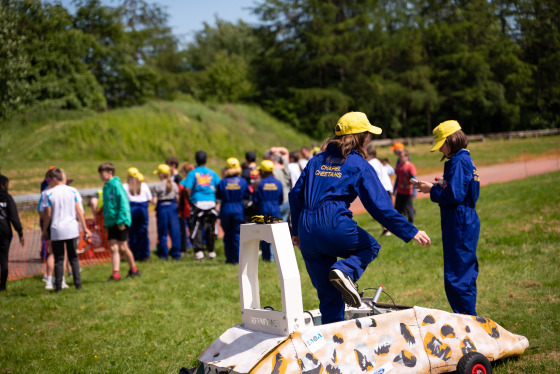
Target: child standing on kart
x,y
322,224
460,226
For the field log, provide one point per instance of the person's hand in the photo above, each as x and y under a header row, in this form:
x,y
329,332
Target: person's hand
x,y
87,232
121,227
424,187
44,235
422,239
295,241
22,241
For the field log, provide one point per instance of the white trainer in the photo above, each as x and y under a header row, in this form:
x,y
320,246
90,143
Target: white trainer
x,y
347,288
199,256
212,255
49,285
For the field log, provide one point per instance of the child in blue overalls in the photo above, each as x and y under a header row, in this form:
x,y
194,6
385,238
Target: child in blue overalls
x,y
268,197
460,226
139,196
165,196
322,224
231,191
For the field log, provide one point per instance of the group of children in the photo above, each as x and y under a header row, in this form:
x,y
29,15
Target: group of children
x,y
319,202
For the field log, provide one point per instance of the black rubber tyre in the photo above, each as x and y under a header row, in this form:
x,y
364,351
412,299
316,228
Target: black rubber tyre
x,y
474,363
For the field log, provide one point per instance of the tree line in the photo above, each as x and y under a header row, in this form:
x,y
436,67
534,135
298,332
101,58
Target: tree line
x,y
490,64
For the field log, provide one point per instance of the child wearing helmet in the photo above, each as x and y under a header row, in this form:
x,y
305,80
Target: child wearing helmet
x,y
322,224
460,226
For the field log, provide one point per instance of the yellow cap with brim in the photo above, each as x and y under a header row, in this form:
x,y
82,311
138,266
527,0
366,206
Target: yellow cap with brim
x,y
232,162
162,169
442,131
266,165
140,177
355,123
133,172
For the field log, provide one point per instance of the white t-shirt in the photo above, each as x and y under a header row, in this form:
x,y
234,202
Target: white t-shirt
x,y
43,203
295,172
144,195
382,174
62,199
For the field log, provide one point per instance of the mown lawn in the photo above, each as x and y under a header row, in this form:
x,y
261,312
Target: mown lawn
x,y
160,322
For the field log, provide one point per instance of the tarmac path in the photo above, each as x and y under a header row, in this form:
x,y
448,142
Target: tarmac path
x,y
498,173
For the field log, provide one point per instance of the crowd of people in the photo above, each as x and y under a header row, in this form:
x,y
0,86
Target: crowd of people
x,y
311,188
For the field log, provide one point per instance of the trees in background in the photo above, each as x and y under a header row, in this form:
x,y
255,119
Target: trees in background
x,y
491,64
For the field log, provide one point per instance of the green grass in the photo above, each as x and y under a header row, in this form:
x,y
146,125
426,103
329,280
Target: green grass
x,y
139,136
160,322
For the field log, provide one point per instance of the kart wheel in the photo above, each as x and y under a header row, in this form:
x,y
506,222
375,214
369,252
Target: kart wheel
x,y
474,363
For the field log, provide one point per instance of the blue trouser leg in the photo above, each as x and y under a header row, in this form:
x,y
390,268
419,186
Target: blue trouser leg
x,y
225,221
174,230
162,225
138,234
324,236
460,229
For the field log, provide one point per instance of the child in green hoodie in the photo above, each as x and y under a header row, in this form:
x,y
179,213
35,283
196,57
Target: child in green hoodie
x,y
116,211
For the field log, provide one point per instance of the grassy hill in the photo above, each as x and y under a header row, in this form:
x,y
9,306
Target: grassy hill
x,y
146,135
141,136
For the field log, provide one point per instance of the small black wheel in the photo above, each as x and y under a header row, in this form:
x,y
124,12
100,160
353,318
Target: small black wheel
x,y
474,363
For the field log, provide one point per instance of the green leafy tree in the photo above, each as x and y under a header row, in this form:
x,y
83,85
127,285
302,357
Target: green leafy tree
x,y
14,65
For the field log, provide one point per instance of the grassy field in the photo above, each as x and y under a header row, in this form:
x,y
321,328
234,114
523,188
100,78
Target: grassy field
x,y
144,136
160,322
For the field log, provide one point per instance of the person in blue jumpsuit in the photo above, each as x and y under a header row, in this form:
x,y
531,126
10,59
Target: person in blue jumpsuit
x,y
231,191
322,224
165,198
457,195
268,197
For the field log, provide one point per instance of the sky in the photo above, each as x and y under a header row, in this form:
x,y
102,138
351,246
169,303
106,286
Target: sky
x,y
187,16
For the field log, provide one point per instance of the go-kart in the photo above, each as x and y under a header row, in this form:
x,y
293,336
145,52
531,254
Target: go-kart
x,y
375,338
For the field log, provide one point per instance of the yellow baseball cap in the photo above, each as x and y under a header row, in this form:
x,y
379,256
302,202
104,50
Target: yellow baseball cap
x,y
133,172
355,123
232,162
140,177
266,165
442,131
162,169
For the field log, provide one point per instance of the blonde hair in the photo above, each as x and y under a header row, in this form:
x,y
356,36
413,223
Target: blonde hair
x,y
348,143
134,186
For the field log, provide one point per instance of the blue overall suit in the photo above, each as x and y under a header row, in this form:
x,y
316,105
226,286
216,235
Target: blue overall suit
x,y
138,233
268,197
168,223
321,217
231,191
460,228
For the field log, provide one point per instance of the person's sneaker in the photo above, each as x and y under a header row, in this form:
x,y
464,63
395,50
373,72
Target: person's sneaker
x,y
49,285
79,287
113,279
132,274
386,232
64,285
212,255
199,256
45,278
347,288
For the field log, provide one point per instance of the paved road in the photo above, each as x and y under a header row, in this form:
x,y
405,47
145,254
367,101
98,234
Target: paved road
x,y
498,173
